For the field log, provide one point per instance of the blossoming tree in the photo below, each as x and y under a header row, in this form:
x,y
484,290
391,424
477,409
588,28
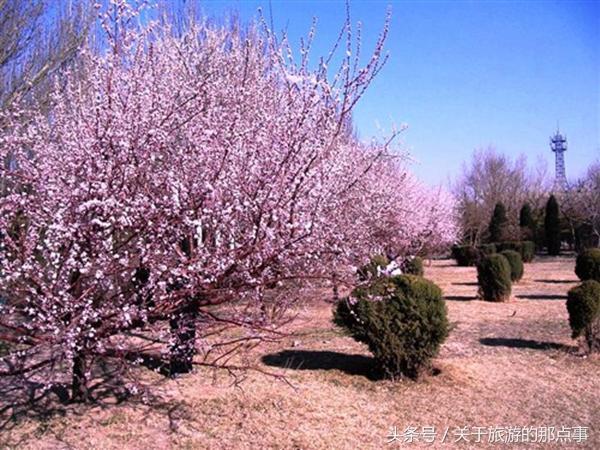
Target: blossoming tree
x,y
183,186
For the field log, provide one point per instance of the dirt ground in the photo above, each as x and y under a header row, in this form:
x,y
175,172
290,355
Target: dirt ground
x,y
507,365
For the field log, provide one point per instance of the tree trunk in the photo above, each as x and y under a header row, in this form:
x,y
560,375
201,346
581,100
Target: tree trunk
x,y
79,388
336,292
183,331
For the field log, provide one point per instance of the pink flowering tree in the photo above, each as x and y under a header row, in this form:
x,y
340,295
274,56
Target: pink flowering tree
x,y
184,186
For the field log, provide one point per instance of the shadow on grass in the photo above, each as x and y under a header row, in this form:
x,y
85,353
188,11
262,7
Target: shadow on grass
x,y
461,298
324,360
542,297
466,283
557,281
27,397
523,343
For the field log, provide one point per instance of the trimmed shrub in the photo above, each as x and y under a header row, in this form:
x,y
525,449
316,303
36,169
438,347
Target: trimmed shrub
x,y
516,246
583,304
465,255
493,277
412,266
487,249
373,267
402,319
516,264
587,266
528,251
525,248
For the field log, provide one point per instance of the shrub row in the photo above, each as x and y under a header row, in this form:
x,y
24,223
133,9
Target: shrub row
x,y
525,248
468,255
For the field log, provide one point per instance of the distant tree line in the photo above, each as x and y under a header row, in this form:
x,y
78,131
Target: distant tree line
x,y
500,199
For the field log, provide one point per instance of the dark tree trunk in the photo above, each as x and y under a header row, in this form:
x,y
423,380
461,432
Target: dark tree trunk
x,y
79,388
183,331
336,292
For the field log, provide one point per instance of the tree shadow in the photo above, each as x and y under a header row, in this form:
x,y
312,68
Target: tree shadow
x,y
461,298
557,281
324,360
31,396
150,361
27,397
524,343
542,297
466,283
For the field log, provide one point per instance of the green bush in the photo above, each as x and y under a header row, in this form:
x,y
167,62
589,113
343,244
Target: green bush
x,y
370,270
402,319
525,248
587,266
583,304
465,255
493,277
516,246
487,249
516,264
412,266
528,251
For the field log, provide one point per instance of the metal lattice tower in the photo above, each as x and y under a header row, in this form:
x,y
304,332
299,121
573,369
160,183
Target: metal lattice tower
x,y
558,144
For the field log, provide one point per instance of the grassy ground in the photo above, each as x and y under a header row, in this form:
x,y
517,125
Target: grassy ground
x,y
505,365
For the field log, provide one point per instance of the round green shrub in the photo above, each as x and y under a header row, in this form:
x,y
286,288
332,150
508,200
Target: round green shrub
x,y
412,266
465,255
587,266
583,304
525,248
402,319
517,246
373,267
493,277
528,251
516,264
487,249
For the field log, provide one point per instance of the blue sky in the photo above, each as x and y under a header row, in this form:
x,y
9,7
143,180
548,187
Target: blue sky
x,y
468,74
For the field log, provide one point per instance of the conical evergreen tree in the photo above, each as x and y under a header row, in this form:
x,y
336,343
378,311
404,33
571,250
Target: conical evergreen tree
x,y
527,222
552,226
498,224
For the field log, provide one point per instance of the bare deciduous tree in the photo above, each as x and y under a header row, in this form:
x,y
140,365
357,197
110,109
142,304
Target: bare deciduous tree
x,y
581,207
491,178
37,38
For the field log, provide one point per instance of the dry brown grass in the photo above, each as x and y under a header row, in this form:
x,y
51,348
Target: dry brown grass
x,y
504,364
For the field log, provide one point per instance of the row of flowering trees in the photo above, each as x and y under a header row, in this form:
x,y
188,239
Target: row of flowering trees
x,y
182,186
